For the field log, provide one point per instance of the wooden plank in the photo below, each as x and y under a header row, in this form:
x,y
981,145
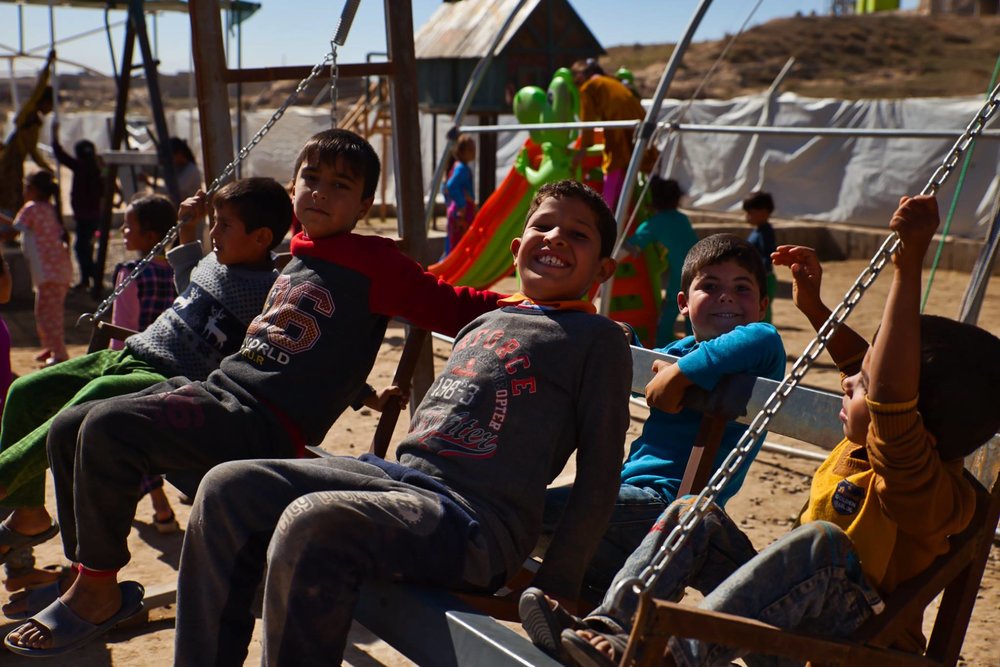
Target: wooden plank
x,y
758,637
213,99
299,72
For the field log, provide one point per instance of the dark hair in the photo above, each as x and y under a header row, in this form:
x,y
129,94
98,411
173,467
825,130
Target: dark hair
x,y
48,95
86,153
959,375
460,144
259,202
606,225
587,67
330,146
44,182
178,145
155,213
759,200
665,193
719,248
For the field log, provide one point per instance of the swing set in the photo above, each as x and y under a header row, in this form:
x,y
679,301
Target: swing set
x,y
444,629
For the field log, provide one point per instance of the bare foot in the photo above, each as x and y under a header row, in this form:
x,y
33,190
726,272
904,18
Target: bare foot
x,y
94,599
600,643
27,521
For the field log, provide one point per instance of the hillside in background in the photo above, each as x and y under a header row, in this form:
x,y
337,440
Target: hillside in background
x,y
875,56
888,55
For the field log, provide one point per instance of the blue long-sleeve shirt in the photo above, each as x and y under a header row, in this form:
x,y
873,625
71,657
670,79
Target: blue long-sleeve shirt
x,y
658,457
459,186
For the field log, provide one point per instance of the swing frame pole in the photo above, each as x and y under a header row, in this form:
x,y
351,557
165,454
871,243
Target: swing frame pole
x,y
646,131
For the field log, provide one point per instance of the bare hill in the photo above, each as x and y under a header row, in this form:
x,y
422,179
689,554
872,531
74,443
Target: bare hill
x,y
876,56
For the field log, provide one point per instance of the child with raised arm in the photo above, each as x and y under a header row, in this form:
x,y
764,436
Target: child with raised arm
x,y
722,296
526,386
882,505
302,361
226,287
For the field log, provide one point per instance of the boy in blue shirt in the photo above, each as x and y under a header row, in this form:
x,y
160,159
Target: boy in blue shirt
x,y
721,294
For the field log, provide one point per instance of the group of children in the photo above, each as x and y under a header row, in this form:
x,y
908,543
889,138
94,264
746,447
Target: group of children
x,y
245,369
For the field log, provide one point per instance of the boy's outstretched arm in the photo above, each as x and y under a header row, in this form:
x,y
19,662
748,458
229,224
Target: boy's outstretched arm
x,y
845,346
894,370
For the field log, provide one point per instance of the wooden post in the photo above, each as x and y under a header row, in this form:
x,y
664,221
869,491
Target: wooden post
x,y
487,158
213,99
406,154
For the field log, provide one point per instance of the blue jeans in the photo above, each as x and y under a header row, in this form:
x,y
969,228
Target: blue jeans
x,y
810,580
636,510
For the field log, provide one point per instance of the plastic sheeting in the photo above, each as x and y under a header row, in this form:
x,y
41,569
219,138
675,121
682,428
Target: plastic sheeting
x,y
833,179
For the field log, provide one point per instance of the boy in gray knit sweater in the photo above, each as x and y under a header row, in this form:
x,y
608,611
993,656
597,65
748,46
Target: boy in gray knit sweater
x,y
526,386
220,294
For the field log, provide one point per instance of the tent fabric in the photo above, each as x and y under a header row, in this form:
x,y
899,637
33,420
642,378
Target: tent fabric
x,y
826,179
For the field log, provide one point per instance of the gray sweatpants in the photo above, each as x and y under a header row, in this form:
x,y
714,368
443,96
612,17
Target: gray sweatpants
x,y
99,451
312,530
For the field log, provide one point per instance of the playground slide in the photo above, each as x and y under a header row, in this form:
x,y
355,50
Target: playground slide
x,y
483,257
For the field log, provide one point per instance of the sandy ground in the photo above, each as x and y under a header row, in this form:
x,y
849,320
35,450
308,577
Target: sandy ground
x,y
775,489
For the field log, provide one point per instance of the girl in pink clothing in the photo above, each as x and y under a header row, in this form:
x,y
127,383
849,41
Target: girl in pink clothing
x,y
47,252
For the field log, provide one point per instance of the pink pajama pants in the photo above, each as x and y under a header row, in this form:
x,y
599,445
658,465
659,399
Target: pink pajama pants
x,y
50,309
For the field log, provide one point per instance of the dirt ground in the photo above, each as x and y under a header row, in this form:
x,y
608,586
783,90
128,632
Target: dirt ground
x,y
774,491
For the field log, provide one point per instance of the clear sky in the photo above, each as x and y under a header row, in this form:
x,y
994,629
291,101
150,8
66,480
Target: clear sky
x,y
298,32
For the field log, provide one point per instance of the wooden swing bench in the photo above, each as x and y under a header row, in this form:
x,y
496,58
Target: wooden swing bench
x,y
432,626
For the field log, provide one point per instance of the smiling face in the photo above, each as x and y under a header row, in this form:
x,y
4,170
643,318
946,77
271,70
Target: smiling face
x,y
232,244
327,199
721,297
558,256
854,413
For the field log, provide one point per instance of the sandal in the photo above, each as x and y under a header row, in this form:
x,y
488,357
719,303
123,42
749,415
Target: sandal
x,y
166,526
68,631
543,623
583,653
36,599
14,540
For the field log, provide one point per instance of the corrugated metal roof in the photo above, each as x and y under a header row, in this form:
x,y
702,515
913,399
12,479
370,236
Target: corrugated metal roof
x,y
466,29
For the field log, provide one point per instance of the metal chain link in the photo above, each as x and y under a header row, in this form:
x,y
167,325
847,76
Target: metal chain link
x,y
643,584
216,184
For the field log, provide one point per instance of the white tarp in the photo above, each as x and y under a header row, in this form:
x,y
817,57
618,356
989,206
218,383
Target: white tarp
x,y
834,179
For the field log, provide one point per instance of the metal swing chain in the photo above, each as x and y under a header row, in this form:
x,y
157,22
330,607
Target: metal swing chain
x,y
216,184
643,584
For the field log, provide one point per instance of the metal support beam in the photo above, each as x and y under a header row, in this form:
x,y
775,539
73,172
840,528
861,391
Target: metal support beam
x,y
213,99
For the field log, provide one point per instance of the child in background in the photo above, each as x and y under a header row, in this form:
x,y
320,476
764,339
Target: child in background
x,y
758,207
85,198
459,192
147,220
303,360
671,229
220,293
721,294
882,505
526,386
45,247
